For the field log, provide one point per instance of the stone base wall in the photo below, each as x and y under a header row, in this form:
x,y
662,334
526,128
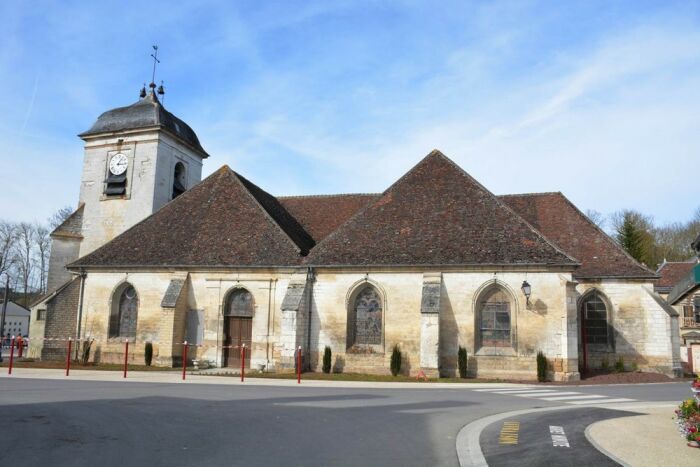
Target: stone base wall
x,y
61,321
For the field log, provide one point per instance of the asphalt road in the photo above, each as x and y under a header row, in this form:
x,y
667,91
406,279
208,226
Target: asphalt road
x,y
58,422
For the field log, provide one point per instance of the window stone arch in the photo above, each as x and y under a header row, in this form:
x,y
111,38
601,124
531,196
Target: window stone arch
x,y
495,323
123,316
595,312
365,329
179,180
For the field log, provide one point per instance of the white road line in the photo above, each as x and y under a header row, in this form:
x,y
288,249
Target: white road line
x,y
565,398
544,396
532,391
502,389
604,401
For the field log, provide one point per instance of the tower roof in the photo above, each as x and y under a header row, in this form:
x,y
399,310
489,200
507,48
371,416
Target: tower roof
x,y
146,113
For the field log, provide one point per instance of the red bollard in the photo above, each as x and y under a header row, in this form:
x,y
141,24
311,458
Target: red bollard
x,y
299,365
243,363
12,355
184,361
126,356
70,345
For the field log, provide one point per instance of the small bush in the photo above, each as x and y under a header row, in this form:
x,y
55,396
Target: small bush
x,y
327,360
541,366
462,361
605,364
396,360
148,353
619,365
635,366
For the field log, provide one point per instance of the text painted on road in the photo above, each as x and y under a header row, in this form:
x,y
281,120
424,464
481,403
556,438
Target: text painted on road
x,y
509,433
559,439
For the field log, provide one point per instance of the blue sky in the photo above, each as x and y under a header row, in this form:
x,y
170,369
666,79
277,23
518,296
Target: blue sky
x,y
599,100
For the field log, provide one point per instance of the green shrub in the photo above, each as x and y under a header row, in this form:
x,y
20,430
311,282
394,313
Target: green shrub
x,y
148,353
605,364
396,360
327,360
541,366
635,366
86,351
462,361
619,365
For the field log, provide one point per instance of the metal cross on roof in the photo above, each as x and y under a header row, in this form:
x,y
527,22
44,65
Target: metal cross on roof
x,y
155,62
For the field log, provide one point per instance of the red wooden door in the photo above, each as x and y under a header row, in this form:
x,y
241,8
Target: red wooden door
x,y
237,332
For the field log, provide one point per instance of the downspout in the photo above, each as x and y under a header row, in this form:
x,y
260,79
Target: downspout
x,y
269,311
83,275
310,283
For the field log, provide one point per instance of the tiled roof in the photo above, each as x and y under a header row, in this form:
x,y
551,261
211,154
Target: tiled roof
x,y
561,222
73,225
223,221
670,273
436,214
320,215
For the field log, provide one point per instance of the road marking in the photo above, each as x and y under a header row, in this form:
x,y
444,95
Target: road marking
x,y
559,439
544,396
503,389
566,398
528,391
604,401
509,433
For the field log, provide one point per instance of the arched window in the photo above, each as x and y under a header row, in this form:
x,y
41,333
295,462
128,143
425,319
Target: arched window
x,y
179,180
365,318
239,303
595,319
124,313
494,313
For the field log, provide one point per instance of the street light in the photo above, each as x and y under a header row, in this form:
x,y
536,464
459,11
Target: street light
x,y
527,290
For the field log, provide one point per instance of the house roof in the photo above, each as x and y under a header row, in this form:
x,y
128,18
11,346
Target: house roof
x,y
145,113
562,222
13,309
670,273
322,214
437,214
223,221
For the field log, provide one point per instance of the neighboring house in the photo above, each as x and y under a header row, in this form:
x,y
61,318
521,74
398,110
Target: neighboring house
x,y
685,296
16,319
433,263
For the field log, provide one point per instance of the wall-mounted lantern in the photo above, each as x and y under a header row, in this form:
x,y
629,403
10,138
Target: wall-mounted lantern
x,y
527,290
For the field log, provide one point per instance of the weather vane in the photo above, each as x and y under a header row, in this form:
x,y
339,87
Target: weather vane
x,y
161,89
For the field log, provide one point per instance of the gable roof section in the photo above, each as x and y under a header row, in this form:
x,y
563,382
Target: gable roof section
x,y
223,221
436,214
560,221
72,226
670,273
322,214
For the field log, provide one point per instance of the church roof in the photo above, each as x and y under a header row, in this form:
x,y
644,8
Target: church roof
x,y
146,113
562,222
437,214
223,221
322,214
72,227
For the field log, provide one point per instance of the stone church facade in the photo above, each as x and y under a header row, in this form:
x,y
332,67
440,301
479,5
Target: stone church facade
x,y
435,262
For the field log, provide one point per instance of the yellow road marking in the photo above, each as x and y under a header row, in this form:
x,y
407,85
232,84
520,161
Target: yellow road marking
x,y
509,433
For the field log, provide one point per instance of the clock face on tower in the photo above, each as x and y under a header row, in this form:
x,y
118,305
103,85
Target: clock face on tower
x,y
118,164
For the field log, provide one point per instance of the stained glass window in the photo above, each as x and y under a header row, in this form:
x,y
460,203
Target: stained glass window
x,y
494,319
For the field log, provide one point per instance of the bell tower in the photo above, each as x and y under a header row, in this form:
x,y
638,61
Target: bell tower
x,y
137,158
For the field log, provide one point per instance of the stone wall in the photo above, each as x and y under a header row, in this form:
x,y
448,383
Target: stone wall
x,y
61,319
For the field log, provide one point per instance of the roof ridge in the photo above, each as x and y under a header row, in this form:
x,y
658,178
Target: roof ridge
x,y
607,237
535,193
330,195
70,217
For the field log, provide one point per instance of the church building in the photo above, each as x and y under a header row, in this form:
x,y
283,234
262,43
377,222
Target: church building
x,y
153,254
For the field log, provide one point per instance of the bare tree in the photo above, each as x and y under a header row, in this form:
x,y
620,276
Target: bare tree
x,y
58,217
42,242
596,217
8,239
24,256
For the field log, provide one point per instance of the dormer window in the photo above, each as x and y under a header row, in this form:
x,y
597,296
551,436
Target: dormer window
x,y
179,180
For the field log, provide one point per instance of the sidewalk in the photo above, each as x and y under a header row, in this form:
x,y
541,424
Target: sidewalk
x,y
175,377
644,440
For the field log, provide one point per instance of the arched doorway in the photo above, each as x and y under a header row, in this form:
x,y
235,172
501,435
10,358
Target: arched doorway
x,y
238,327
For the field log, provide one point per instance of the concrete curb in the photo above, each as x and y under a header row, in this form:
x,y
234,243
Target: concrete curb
x,y
469,449
587,434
